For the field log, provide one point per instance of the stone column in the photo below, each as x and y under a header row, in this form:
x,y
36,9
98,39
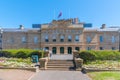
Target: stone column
x,y
50,48
58,49
65,50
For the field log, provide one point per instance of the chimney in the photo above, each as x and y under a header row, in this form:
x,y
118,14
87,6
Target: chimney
x,y
21,27
76,20
103,26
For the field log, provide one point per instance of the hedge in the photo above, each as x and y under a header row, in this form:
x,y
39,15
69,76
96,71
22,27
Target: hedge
x,y
21,53
99,55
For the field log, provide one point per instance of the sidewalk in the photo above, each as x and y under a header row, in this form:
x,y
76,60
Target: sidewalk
x,y
14,74
60,75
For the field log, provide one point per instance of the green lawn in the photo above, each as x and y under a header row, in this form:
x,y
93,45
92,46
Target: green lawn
x,y
104,75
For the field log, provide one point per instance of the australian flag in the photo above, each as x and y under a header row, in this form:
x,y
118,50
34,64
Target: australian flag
x,y
60,14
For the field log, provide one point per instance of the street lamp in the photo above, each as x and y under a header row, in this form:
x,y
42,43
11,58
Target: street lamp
x,y
1,32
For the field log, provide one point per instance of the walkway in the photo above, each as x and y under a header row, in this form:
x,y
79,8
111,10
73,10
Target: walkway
x,y
14,74
60,75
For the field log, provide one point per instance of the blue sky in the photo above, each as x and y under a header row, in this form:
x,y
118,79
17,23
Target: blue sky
x,y
28,12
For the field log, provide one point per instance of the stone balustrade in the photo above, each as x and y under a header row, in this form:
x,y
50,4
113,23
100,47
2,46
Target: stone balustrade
x,y
77,60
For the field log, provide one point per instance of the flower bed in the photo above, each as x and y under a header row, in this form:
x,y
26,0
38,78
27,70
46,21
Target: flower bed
x,y
15,62
105,64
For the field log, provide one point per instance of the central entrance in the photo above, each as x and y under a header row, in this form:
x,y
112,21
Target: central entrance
x,y
61,50
54,51
69,50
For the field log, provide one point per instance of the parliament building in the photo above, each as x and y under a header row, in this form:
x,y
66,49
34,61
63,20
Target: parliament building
x,y
61,37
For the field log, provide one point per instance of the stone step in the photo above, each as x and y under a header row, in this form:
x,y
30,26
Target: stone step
x,y
60,69
60,61
60,64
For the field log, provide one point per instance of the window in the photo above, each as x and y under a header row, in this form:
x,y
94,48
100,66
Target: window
x,y
61,50
46,48
77,38
69,38
35,40
101,39
54,50
77,48
24,39
113,48
113,39
61,38
54,38
69,50
101,48
88,39
88,48
11,40
46,38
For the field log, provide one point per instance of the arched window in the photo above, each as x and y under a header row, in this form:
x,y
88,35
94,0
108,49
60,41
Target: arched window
x,y
54,50
77,48
62,50
69,50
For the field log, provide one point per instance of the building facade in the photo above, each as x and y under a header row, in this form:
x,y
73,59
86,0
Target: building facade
x,y
62,37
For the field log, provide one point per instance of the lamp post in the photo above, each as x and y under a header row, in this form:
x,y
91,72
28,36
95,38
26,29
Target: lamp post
x,y
1,32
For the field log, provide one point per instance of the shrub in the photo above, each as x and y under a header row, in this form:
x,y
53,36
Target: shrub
x,y
5,54
21,53
87,56
99,55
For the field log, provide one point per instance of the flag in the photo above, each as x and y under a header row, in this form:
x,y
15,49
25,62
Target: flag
x,y
60,14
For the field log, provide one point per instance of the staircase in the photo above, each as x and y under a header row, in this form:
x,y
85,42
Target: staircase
x,y
60,65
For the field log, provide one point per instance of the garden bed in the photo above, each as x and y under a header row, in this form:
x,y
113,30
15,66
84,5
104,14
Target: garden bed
x,y
16,62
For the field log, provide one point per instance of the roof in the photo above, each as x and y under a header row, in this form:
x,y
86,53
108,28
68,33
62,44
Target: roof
x,y
18,30
90,29
109,29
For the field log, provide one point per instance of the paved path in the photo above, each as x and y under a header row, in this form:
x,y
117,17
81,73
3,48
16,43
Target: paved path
x,y
60,75
14,74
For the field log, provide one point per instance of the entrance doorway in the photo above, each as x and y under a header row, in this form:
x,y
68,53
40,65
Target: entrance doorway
x,y
61,50
54,50
69,50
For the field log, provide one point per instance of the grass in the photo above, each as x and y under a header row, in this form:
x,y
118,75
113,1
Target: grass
x,y
104,75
